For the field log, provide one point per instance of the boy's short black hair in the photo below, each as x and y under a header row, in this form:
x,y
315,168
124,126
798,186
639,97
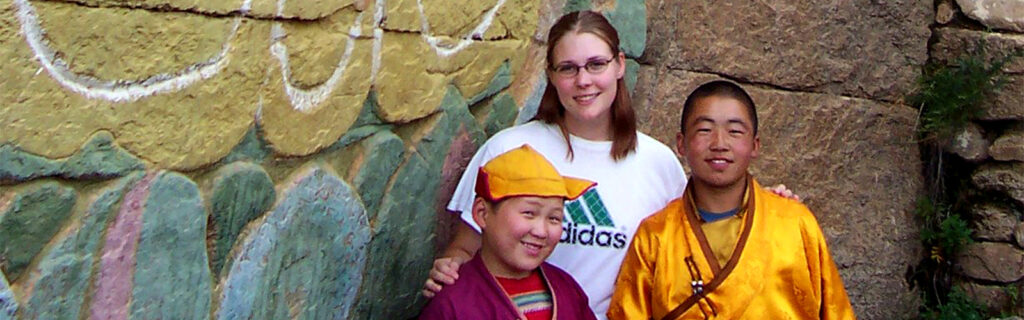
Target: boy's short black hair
x,y
718,88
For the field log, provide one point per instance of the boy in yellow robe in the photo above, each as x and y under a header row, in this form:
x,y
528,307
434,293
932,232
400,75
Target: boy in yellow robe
x,y
727,249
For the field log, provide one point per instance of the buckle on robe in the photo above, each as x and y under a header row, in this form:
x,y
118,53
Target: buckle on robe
x,y
698,287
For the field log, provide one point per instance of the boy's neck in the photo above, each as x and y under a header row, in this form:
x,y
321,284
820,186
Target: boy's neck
x,y
718,199
495,266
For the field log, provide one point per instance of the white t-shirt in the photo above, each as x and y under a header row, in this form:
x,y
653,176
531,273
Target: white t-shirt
x,y
599,225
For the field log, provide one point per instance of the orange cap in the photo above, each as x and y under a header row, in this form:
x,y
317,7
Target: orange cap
x,y
525,172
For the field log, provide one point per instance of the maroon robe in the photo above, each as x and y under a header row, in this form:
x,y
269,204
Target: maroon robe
x,y
477,295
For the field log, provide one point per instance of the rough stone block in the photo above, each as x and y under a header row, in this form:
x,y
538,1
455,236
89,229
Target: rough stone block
x,y
827,149
630,19
325,71
112,284
992,261
241,192
577,5
298,10
382,155
502,79
952,43
402,248
993,298
460,153
862,49
405,91
995,14
1018,234
251,148
1009,146
457,19
305,259
1007,103
318,50
970,143
465,49
632,68
174,108
944,12
479,71
367,116
172,272
356,134
31,219
532,102
1003,177
60,281
100,158
18,166
8,305
502,114
993,222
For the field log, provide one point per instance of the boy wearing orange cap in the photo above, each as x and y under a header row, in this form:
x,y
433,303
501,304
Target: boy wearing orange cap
x,y
519,203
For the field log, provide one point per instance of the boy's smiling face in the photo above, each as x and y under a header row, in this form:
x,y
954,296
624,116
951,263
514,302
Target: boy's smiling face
x,y
719,142
518,233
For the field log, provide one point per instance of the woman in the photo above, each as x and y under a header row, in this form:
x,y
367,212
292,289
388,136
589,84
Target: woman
x,y
586,127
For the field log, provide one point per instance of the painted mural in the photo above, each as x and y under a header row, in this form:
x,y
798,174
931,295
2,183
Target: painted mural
x,y
250,159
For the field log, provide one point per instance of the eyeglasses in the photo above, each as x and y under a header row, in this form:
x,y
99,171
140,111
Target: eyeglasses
x,y
568,70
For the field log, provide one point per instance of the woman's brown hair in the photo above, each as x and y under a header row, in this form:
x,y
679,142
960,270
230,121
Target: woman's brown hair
x,y
551,109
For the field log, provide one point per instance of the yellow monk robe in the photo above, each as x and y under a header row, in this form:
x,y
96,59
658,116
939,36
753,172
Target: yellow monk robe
x,y
780,267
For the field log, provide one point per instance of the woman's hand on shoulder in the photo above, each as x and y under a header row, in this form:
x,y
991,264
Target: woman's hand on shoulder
x,y
444,272
781,190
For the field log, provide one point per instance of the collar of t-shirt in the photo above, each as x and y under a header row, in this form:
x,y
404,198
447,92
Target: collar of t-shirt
x,y
708,216
530,295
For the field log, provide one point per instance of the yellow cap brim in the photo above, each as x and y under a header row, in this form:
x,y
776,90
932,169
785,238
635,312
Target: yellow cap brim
x,y
575,188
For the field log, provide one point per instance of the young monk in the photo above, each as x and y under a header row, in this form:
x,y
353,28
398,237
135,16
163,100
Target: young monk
x,y
518,206
727,249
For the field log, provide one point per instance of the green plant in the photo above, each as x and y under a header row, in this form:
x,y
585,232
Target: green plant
x,y
949,97
958,306
1016,300
943,230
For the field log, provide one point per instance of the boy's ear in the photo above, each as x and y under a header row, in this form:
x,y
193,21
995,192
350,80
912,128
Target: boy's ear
x,y
757,146
621,71
681,145
480,212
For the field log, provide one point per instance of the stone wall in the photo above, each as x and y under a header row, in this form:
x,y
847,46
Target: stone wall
x,y
991,148
828,78
248,159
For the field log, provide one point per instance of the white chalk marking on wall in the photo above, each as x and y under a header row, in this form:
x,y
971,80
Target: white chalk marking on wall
x,y
444,51
302,99
117,90
378,39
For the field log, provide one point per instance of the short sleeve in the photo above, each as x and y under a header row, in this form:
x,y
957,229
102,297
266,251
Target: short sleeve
x,y
465,192
666,168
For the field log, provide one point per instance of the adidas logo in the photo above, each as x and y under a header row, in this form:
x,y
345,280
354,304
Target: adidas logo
x,y
592,225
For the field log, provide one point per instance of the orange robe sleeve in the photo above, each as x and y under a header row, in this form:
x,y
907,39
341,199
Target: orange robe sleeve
x,y
835,304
